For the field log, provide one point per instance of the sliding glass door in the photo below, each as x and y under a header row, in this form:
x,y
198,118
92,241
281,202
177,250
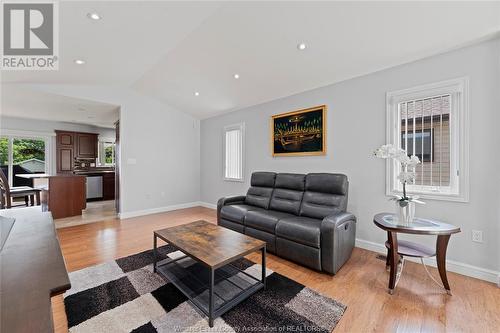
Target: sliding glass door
x,y
22,155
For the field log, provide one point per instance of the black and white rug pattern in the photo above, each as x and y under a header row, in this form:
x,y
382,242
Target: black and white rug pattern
x,y
126,296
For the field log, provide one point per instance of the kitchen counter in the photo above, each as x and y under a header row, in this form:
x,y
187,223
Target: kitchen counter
x,y
93,172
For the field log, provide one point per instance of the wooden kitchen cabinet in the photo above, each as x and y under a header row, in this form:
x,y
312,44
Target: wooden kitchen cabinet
x,y
74,145
108,186
65,151
86,145
65,139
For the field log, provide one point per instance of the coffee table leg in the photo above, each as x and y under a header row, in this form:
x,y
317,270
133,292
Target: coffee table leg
x,y
211,299
264,266
441,246
393,260
155,245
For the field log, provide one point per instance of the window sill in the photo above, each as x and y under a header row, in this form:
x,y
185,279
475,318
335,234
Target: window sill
x,y
236,180
435,196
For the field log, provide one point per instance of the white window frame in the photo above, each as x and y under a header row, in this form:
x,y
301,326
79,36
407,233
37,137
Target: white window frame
x,y
103,141
48,138
241,127
458,89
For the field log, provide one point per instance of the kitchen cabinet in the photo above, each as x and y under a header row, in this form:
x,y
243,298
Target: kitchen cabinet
x,y
65,160
108,186
86,145
71,146
65,151
65,139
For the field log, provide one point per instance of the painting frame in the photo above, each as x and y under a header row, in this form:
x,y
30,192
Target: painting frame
x,y
324,111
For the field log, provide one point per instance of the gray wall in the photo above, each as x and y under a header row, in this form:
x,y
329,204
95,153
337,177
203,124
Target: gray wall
x,y
356,126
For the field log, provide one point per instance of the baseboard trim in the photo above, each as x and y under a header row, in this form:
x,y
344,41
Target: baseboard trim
x,y
207,205
452,266
127,215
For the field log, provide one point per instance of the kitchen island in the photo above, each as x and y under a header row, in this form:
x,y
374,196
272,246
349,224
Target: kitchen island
x,y
64,195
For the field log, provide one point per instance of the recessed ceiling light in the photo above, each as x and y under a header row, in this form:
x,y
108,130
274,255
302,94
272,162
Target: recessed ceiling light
x,y
196,93
94,16
236,76
301,46
79,61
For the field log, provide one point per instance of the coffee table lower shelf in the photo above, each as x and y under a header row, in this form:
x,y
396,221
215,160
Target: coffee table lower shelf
x,y
230,285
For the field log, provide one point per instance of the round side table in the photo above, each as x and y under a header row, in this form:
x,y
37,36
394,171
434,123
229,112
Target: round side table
x,y
399,249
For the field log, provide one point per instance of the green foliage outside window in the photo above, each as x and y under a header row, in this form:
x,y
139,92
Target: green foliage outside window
x,y
109,154
22,150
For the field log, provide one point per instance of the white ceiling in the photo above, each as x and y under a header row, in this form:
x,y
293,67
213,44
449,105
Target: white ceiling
x,y
169,50
22,102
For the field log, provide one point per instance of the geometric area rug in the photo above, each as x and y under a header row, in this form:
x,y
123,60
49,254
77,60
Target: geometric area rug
x,y
125,295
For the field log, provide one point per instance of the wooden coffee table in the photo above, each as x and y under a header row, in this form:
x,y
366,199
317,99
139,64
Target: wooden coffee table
x,y
205,272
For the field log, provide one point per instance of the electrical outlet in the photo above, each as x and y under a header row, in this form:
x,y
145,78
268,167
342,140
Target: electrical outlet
x,y
477,236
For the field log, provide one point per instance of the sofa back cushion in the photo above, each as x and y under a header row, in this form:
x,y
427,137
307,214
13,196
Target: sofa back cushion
x,y
325,194
261,189
288,192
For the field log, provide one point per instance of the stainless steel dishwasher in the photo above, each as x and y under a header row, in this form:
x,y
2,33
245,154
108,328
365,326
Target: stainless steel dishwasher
x,y
94,187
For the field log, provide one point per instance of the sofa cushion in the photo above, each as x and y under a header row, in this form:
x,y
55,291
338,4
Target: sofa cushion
x,y
300,229
232,225
265,220
334,183
263,179
236,213
291,181
325,194
288,192
259,194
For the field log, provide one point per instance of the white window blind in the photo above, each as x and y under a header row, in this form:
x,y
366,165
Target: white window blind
x,y
233,152
431,122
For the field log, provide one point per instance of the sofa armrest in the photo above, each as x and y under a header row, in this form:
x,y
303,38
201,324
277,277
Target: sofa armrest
x,y
338,234
227,201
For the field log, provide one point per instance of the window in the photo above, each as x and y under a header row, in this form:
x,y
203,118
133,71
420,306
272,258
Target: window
x,y
431,122
423,144
106,153
21,155
233,152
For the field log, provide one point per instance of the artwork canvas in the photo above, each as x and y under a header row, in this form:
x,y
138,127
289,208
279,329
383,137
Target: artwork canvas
x,y
301,132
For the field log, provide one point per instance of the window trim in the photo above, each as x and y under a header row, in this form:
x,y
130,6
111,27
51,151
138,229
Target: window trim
x,y
458,89
103,140
241,127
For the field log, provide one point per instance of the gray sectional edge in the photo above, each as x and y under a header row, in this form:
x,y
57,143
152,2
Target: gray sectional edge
x,y
302,218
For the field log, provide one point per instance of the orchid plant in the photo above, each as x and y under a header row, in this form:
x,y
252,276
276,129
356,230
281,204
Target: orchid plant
x,y
407,174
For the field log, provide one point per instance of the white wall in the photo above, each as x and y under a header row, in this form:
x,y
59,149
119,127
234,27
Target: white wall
x,y
163,142
356,126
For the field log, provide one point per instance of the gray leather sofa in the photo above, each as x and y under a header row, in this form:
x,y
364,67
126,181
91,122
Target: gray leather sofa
x,y
302,218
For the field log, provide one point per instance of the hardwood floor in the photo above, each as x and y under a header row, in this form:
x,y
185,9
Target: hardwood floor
x,y
416,306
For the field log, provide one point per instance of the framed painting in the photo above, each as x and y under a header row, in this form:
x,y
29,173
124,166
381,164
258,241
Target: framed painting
x,y
299,133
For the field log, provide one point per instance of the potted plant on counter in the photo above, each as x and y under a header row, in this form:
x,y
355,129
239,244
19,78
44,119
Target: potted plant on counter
x,y
405,205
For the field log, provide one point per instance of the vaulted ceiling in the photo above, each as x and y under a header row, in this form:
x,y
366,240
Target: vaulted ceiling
x,y
170,50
